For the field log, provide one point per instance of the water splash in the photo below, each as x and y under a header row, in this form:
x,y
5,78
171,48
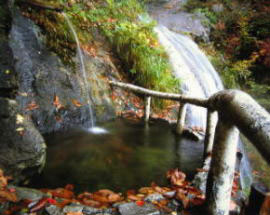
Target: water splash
x,y
97,130
82,69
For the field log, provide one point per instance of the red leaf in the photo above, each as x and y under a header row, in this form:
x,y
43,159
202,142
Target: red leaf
x,y
140,203
51,201
41,204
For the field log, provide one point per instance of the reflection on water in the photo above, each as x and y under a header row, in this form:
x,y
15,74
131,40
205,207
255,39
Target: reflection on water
x,y
128,156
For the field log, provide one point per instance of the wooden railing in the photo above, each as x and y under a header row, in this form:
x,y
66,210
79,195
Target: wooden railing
x,y
227,111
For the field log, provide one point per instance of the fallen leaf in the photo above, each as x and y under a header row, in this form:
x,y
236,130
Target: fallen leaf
x,y
39,205
9,196
74,213
62,193
32,106
176,177
76,103
56,103
140,203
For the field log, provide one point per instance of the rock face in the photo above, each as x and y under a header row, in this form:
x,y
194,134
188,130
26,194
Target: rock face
x,y
47,94
22,148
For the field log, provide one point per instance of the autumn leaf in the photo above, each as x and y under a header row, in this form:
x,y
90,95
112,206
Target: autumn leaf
x,y
183,198
32,106
76,103
176,177
74,213
3,180
39,205
61,193
140,203
9,196
56,103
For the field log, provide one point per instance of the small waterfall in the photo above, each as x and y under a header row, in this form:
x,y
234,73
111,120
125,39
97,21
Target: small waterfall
x,y
82,69
92,129
199,78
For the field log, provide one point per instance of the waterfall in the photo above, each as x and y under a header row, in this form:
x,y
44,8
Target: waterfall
x,y
191,66
82,69
198,79
92,129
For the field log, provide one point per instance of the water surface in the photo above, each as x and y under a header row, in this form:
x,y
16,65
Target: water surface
x,y
129,156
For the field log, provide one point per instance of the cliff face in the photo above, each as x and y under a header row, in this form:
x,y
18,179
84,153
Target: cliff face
x,y
44,92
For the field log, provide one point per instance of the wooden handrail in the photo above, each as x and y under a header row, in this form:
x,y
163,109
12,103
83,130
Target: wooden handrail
x,y
235,109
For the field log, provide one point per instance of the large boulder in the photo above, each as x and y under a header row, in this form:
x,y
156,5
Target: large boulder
x,y
22,148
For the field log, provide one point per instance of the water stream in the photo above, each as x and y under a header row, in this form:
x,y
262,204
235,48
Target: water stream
x,y
82,69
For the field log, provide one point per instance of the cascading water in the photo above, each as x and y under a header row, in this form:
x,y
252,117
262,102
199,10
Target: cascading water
x,y
93,129
198,79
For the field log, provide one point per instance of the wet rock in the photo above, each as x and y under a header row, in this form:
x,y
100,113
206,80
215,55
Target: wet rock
x,y
193,134
22,148
91,211
42,77
133,209
54,210
73,208
28,193
154,197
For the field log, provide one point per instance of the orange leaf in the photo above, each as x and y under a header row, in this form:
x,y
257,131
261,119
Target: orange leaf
x,y
76,103
183,198
5,194
74,213
62,193
57,103
3,180
32,106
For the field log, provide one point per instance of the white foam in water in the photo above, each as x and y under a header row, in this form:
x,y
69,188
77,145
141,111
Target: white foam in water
x,y
97,130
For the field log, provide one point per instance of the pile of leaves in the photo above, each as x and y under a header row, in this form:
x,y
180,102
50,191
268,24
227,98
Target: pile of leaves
x,y
180,189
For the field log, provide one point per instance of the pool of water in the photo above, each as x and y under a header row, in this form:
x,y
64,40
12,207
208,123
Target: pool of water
x,y
130,155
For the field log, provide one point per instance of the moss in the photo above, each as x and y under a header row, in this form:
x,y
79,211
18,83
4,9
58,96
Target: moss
x,y
129,31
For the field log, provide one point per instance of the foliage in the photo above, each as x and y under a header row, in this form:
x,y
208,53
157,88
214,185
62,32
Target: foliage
x,y
240,33
135,42
128,30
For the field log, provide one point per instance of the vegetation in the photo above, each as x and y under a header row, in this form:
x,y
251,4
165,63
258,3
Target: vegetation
x,y
125,25
240,33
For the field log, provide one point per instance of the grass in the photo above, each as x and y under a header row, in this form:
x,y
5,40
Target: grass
x,y
128,29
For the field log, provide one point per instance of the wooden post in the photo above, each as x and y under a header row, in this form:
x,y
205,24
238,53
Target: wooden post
x,y
221,174
210,132
181,119
147,107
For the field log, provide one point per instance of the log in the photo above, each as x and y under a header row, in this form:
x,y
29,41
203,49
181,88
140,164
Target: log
x,y
221,174
147,107
210,132
42,5
250,118
181,119
161,95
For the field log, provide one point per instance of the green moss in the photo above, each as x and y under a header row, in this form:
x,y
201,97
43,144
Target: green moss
x,y
128,29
